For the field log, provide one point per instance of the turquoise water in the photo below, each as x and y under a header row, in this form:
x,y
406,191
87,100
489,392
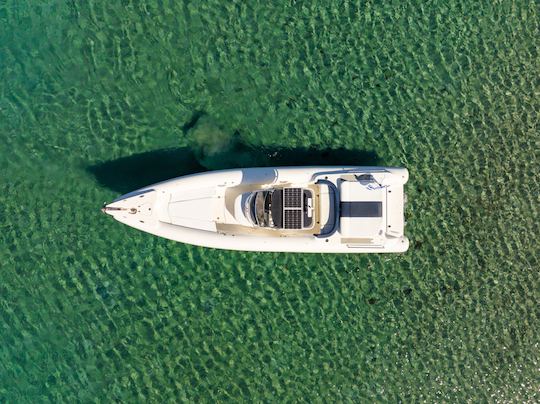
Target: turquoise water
x,y
98,98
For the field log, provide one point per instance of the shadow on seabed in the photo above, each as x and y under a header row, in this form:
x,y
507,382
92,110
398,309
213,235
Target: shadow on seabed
x,y
212,149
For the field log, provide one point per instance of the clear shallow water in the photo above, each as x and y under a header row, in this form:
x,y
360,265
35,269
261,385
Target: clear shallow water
x,y
97,99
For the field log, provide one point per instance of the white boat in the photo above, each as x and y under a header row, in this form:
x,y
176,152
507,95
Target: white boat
x,y
287,209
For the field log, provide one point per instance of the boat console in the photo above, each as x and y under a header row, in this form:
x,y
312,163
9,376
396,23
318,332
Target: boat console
x,y
281,208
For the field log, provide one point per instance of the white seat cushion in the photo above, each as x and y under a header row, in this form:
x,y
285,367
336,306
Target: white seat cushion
x,y
362,220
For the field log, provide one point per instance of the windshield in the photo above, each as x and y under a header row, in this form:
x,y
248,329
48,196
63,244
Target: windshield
x,y
261,205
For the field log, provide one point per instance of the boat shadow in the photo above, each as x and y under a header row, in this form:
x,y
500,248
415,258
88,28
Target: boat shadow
x,y
130,173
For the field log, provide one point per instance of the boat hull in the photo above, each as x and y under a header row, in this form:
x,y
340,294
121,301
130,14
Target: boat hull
x,y
198,209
